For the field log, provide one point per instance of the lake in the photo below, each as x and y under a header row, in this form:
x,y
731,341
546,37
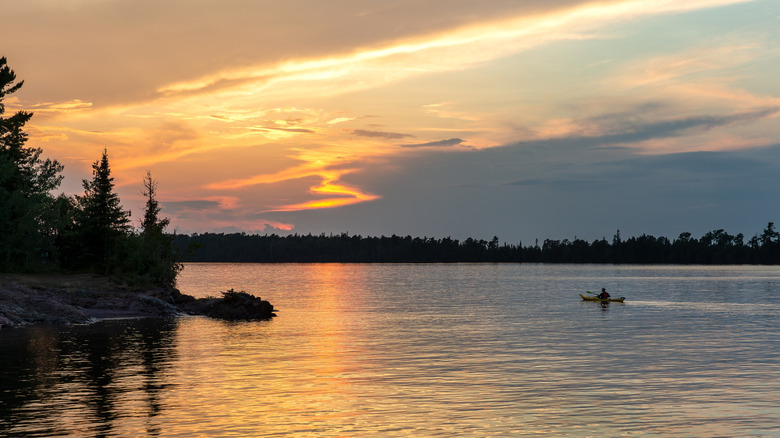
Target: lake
x,y
418,350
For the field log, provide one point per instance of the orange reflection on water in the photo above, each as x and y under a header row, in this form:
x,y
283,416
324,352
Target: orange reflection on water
x,y
335,350
329,320
294,375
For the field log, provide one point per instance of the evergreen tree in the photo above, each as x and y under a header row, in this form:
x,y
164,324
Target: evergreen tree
x,y
151,222
157,259
61,227
26,181
100,220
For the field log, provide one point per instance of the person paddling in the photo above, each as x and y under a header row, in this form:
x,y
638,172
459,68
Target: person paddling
x,y
603,295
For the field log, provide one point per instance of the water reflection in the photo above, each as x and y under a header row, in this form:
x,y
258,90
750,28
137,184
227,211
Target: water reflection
x,y
418,350
95,380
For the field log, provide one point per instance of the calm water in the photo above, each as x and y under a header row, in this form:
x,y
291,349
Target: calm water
x,y
420,350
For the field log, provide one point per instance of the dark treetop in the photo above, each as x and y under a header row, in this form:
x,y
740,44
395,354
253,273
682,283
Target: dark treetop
x,y
715,247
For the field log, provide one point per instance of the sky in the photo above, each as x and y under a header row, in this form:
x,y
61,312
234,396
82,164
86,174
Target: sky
x,y
525,120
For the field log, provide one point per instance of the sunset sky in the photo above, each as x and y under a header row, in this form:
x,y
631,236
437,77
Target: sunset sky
x,y
525,119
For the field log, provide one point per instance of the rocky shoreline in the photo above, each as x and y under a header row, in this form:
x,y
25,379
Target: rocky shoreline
x,y
82,299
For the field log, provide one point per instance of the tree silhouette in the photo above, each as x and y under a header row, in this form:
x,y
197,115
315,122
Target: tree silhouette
x,y
156,261
26,181
715,247
100,219
151,223
87,232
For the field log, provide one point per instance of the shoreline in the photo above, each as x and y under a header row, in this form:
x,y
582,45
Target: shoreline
x,y
56,299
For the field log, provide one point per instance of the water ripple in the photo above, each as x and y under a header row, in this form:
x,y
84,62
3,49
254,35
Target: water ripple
x,y
421,350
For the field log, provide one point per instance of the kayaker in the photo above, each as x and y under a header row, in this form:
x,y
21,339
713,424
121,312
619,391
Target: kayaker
x,y
603,295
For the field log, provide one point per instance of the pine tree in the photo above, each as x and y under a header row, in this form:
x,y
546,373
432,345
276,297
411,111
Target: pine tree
x,y
100,220
159,258
151,222
26,181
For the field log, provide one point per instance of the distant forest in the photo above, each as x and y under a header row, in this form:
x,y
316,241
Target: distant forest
x,y
715,247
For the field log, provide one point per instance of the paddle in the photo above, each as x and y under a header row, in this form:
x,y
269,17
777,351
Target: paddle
x,y
589,292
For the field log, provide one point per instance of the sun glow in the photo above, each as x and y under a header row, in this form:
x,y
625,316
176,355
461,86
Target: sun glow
x,y
346,195
455,49
341,194
284,132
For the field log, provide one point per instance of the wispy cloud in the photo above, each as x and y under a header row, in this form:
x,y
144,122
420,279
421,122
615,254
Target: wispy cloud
x,y
329,193
380,134
241,122
634,128
273,128
335,195
455,49
178,206
59,108
436,144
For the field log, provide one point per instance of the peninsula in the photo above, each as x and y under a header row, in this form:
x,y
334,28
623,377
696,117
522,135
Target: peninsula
x,y
84,298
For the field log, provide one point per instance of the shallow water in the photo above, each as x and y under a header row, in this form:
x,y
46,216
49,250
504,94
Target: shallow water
x,y
422,350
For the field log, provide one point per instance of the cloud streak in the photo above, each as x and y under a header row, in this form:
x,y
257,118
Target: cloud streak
x,y
435,144
380,134
194,205
273,115
682,126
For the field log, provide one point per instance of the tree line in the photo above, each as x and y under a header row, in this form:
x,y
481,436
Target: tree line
x,y
714,247
40,231
92,233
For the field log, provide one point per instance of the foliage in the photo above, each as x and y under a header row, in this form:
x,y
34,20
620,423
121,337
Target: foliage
x,y
150,258
234,305
100,220
232,296
26,180
92,231
151,222
88,232
341,248
715,247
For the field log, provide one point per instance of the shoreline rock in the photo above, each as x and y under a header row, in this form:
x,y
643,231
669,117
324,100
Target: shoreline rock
x,y
82,299
233,306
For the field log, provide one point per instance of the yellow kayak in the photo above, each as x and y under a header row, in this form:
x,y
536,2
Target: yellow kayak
x,y
608,300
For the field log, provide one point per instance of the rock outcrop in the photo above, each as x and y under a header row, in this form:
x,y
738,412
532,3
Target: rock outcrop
x,y
82,299
234,305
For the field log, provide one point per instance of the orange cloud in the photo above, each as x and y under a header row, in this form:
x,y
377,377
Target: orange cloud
x,y
347,195
454,49
265,108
